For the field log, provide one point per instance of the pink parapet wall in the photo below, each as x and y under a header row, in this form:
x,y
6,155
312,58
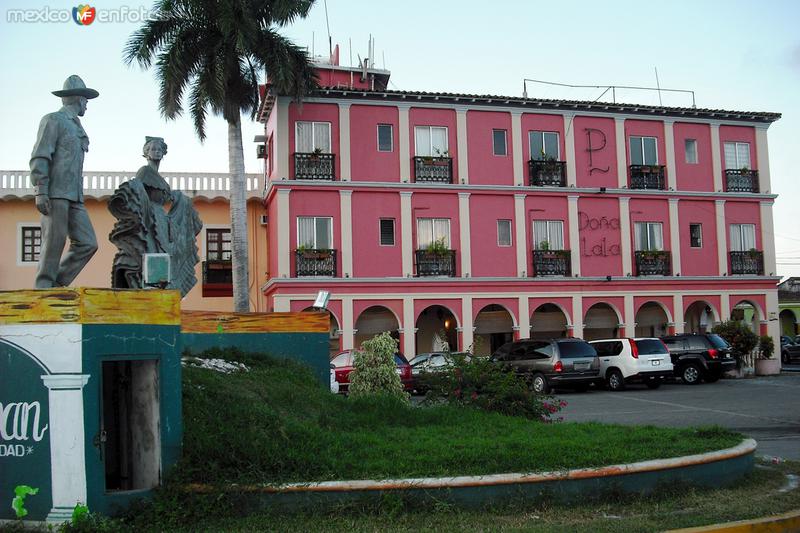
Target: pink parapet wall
x,y
693,176
485,167
371,259
367,163
488,257
595,152
702,260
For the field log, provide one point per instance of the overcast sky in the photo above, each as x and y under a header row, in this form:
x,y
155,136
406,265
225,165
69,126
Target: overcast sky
x,y
735,55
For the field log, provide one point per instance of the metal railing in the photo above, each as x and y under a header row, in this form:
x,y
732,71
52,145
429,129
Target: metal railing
x,y
741,180
435,263
215,272
552,263
433,169
547,173
653,262
314,166
315,262
750,262
647,176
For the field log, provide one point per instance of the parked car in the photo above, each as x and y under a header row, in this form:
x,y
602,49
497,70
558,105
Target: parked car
x,y
699,357
334,383
343,363
431,363
554,363
622,361
790,350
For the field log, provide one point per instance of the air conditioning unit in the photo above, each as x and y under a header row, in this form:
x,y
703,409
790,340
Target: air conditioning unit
x,y
261,151
264,220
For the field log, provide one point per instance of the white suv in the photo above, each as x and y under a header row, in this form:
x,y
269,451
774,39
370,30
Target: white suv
x,y
627,360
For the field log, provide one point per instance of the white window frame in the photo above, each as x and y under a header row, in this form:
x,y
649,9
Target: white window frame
x,y
433,222
644,229
641,142
736,145
740,246
541,148
394,232
510,233
378,137
432,153
686,152
313,135
550,224
505,142
315,246
21,225
690,234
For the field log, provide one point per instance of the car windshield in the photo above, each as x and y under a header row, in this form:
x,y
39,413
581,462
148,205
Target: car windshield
x,y
419,360
651,347
399,359
718,342
571,349
343,359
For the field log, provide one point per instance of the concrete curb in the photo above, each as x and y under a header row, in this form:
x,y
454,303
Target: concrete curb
x,y
783,522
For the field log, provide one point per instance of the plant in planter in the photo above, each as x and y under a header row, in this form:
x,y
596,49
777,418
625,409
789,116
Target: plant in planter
x,y
765,364
753,253
766,347
437,247
544,245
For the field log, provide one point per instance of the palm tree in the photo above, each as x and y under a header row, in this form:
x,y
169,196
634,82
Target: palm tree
x,y
216,48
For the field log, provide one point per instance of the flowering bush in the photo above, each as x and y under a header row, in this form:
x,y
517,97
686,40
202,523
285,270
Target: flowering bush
x,y
739,336
374,369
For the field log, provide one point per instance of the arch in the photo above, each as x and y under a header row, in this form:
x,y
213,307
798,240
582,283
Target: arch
x,y
661,305
651,319
749,312
29,354
549,320
374,320
334,336
759,310
431,322
493,329
788,321
601,321
700,316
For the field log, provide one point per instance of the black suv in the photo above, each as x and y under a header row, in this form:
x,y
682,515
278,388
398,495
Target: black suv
x,y
697,357
546,364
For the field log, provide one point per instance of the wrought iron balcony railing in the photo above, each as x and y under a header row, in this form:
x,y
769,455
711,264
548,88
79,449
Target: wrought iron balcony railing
x,y
647,176
217,278
315,262
552,263
741,180
653,263
435,263
433,169
547,173
750,262
314,166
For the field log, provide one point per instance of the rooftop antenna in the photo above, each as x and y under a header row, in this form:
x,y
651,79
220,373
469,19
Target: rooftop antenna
x,y
383,54
330,41
312,46
607,88
658,86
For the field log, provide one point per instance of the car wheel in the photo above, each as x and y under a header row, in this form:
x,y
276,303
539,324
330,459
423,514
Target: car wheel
x,y
615,381
540,385
653,383
691,374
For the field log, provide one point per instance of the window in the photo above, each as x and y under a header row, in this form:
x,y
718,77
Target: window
x,y
430,141
430,230
737,155
544,145
385,138
696,235
31,241
503,233
218,244
691,151
643,151
743,237
548,235
499,142
313,136
648,236
315,233
387,231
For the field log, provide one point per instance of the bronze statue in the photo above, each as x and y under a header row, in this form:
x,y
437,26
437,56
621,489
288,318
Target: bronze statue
x,y
152,218
57,175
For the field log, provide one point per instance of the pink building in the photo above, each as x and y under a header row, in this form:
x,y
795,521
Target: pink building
x,y
492,217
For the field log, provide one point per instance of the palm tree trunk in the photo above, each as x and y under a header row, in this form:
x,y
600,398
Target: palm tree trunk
x,y
238,207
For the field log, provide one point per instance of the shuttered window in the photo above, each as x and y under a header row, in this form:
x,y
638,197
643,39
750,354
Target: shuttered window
x,y
387,231
503,233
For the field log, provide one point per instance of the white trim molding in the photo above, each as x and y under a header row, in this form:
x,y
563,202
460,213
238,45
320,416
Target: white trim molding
x,y
518,164
622,159
344,142
461,144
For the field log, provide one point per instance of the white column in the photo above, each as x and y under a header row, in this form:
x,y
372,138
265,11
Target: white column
x,y
772,311
67,444
284,233
724,306
465,234
768,238
716,162
461,140
622,159
344,141
516,148
677,313
409,330
524,318
406,244
630,316
403,134
762,153
569,146
467,328
722,237
348,334
625,235
282,138
577,317
346,211
281,304
675,236
669,146
574,236
521,225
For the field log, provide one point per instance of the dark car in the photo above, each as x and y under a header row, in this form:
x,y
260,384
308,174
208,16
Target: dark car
x,y
699,357
790,350
342,365
554,363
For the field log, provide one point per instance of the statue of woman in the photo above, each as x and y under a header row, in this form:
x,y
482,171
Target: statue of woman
x,y
152,218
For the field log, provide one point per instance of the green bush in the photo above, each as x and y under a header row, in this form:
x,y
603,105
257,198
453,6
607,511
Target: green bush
x,y
374,369
766,347
739,336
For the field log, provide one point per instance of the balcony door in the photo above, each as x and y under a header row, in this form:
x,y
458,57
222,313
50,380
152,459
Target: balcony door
x,y
644,151
544,145
548,235
313,137
648,236
737,156
432,230
430,141
743,237
315,233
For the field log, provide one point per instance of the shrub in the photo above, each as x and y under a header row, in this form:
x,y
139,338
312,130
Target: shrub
x,y
374,368
766,347
739,336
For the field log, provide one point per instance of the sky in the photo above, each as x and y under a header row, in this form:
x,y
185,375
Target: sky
x,y
736,55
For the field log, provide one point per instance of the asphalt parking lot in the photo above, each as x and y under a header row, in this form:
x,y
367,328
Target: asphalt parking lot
x,y
764,408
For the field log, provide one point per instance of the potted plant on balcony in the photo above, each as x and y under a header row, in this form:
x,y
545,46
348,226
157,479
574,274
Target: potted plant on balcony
x,y
766,365
307,252
754,254
437,248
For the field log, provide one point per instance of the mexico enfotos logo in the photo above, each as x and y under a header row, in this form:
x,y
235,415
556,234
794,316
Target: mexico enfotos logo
x,y
82,15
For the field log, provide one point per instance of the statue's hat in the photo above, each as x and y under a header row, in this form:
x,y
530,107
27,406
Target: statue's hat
x,y
74,86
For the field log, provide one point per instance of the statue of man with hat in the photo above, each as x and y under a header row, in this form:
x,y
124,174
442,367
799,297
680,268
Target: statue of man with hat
x,y
57,175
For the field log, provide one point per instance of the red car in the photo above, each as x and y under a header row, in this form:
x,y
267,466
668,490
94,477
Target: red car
x,y
342,365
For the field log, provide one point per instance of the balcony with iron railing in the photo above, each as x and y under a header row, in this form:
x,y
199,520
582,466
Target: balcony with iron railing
x,y
435,263
314,166
217,279
647,177
433,169
315,262
741,180
653,262
551,263
750,262
544,173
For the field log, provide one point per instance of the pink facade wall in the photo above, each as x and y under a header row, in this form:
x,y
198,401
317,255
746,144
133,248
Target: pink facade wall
x,y
745,212
442,205
272,237
698,261
536,122
370,258
452,304
271,134
615,302
485,168
366,162
712,301
600,245
565,303
316,113
665,301
317,204
650,210
646,128
434,117
510,304
395,306
742,134
691,176
759,300
489,259
341,78
597,168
